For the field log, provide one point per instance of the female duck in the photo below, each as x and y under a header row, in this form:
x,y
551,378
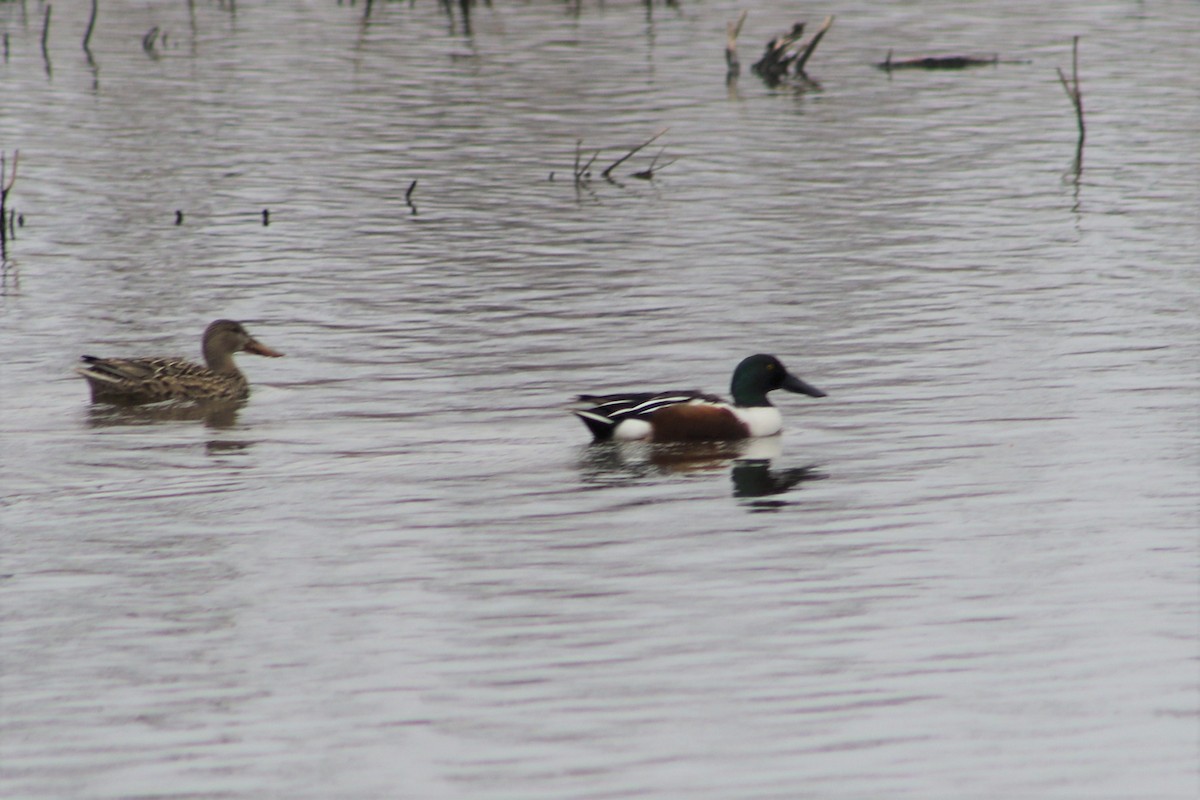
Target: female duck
x,y
132,381
694,416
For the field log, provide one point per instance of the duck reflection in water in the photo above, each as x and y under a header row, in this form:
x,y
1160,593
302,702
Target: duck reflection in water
x,y
216,415
748,461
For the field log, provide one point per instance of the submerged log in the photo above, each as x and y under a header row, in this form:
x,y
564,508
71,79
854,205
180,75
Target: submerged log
x,y
937,62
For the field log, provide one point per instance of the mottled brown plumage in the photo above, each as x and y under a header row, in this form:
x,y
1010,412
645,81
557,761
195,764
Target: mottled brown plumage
x,y
132,381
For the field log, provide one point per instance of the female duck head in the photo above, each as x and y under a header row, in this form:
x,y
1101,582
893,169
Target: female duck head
x,y
225,337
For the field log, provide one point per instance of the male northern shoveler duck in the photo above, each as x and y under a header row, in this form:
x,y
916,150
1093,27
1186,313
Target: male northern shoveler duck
x,y
133,381
694,416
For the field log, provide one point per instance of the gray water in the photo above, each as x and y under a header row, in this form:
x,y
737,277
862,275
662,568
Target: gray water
x,y
400,570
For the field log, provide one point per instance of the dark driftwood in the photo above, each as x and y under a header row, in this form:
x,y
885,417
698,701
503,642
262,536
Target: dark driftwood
x,y
936,62
780,60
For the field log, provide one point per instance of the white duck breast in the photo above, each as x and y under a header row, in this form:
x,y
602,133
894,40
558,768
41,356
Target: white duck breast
x,y
761,420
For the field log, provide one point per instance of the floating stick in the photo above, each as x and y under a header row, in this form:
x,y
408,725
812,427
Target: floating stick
x,y
608,170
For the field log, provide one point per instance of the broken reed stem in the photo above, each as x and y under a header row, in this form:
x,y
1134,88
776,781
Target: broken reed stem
x,y
779,46
812,46
648,173
87,36
149,39
46,27
6,184
732,29
581,171
408,196
608,170
1072,89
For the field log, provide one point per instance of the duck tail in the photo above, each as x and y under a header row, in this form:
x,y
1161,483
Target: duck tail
x,y
96,369
601,426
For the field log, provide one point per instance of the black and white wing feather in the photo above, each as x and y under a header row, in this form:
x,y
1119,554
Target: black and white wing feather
x,y
604,412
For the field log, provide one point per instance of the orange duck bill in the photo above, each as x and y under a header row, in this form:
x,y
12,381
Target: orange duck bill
x,y
260,349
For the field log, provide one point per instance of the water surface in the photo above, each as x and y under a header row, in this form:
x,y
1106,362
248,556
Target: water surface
x,y
401,571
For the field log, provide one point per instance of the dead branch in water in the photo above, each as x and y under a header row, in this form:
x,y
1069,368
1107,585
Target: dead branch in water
x,y
583,171
148,42
780,61
6,185
938,62
608,171
1076,97
812,45
45,38
648,173
46,27
87,36
408,197
732,65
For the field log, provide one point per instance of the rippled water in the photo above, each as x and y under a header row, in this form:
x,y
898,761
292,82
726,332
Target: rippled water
x,y
400,570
